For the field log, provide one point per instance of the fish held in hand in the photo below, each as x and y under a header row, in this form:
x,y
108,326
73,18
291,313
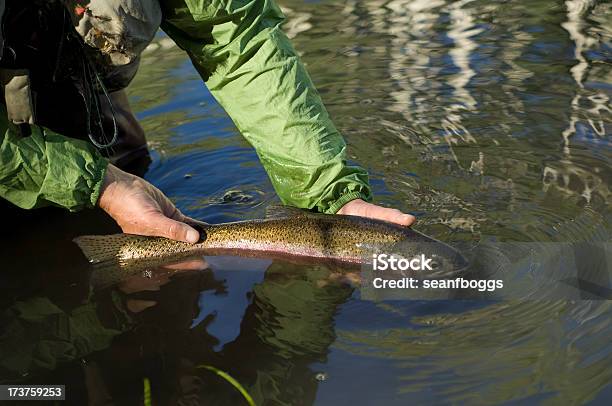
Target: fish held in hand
x,y
285,232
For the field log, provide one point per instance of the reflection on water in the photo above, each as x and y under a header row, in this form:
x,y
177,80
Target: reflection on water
x,y
489,120
264,322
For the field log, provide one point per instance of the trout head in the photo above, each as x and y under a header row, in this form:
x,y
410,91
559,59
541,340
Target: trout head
x,y
437,257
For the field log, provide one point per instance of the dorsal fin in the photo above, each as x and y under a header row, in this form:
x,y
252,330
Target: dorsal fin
x,y
277,211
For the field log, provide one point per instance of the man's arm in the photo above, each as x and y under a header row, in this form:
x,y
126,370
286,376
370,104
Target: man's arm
x,y
251,68
46,168
253,71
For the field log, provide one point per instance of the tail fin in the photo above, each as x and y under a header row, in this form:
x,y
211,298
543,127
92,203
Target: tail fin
x,y
101,248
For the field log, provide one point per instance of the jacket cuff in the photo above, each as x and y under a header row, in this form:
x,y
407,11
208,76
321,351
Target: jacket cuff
x,y
97,182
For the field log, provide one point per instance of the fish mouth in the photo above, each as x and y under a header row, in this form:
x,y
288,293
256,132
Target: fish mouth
x,y
445,259
456,261
460,262
445,266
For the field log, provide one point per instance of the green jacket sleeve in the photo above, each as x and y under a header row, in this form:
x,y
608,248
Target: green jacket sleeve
x,y
46,168
253,71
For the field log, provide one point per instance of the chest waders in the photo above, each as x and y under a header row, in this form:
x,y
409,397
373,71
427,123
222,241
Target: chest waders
x,y
54,74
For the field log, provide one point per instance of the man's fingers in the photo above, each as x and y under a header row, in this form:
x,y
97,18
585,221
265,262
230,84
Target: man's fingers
x,y
175,214
364,209
188,265
176,230
178,216
392,215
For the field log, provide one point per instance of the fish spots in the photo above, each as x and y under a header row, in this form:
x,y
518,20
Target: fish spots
x,y
314,235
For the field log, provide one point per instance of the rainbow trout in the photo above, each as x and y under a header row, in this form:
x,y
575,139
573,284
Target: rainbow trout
x,y
285,232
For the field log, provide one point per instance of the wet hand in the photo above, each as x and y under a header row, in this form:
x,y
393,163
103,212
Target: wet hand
x,y
362,208
140,208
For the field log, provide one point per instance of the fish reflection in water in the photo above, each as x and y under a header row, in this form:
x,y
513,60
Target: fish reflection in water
x,y
263,322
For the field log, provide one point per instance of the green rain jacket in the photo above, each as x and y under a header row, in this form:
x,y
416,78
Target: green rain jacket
x,y
252,70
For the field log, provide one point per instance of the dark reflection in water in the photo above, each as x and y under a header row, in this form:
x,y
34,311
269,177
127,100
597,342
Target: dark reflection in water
x,y
489,120
264,322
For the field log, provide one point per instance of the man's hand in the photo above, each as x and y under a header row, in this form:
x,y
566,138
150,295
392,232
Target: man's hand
x,y
364,209
140,208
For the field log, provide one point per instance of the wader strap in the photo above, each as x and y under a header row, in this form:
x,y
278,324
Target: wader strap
x,y
18,95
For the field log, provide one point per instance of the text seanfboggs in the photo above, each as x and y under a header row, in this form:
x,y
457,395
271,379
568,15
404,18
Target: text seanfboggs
x,y
385,262
457,283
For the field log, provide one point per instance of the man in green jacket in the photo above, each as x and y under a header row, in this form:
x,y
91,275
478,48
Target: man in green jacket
x,y
90,54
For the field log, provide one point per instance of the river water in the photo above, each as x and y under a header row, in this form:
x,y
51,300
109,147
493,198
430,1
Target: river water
x,y
490,121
